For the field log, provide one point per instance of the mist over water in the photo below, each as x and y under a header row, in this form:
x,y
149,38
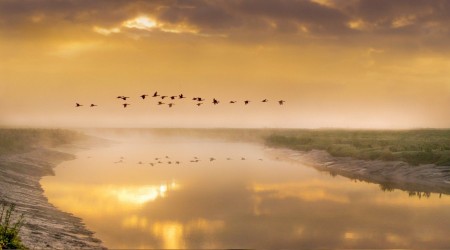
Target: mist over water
x,y
259,202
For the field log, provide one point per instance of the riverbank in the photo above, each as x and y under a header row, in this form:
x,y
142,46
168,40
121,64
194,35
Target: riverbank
x,y
21,169
417,180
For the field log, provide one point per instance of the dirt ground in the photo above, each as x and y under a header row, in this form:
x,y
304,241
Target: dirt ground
x,y
390,175
45,226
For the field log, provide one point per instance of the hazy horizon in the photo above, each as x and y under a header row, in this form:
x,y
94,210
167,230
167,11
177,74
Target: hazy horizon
x,y
357,64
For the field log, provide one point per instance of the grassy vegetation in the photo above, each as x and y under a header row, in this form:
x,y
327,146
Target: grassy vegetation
x,y
412,146
9,229
21,140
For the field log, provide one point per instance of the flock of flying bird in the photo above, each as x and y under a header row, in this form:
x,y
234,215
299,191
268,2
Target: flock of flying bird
x,y
168,160
199,101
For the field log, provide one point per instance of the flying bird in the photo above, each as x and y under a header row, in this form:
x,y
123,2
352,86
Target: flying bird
x,y
173,97
181,96
93,105
119,97
164,96
211,159
232,101
160,103
78,105
171,104
124,98
155,94
125,105
215,101
200,99
281,102
200,103
246,102
143,96
265,100
194,99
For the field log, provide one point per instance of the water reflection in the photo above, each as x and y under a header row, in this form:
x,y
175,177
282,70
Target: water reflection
x,y
237,204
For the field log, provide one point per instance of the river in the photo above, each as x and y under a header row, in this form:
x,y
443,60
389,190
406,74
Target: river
x,y
213,193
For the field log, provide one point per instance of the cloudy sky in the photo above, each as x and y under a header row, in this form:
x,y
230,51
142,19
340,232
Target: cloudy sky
x,y
337,63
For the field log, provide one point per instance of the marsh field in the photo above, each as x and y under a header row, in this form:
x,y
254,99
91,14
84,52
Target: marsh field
x,y
232,188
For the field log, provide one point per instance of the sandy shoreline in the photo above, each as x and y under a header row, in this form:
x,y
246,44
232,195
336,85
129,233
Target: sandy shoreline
x,y
45,226
390,175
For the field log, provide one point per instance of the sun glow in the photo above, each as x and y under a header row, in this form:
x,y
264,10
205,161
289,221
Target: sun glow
x,y
142,23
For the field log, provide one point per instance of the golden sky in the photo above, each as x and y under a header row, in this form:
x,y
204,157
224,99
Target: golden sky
x,y
337,63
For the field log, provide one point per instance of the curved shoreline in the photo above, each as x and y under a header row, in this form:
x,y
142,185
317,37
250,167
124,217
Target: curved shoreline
x,y
45,226
427,178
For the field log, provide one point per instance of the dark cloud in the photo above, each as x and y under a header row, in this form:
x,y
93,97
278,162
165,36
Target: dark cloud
x,y
242,19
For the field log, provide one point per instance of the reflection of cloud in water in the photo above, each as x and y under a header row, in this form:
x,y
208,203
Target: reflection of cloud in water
x,y
141,195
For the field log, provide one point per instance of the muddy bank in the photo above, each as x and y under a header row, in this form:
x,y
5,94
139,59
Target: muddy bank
x,y
45,226
390,175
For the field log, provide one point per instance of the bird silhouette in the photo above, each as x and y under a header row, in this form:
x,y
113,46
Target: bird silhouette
x,y
124,98
243,158
173,97
181,96
232,101
200,103
211,159
281,102
265,100
228,159
215,101
93,105
125,105
171,104
246,102
143,96
119,97
194,99
200,99
164,96
78,105
155,94
160,103
151,164
177,162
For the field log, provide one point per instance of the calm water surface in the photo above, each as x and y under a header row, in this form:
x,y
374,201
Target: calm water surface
x,y
258,202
